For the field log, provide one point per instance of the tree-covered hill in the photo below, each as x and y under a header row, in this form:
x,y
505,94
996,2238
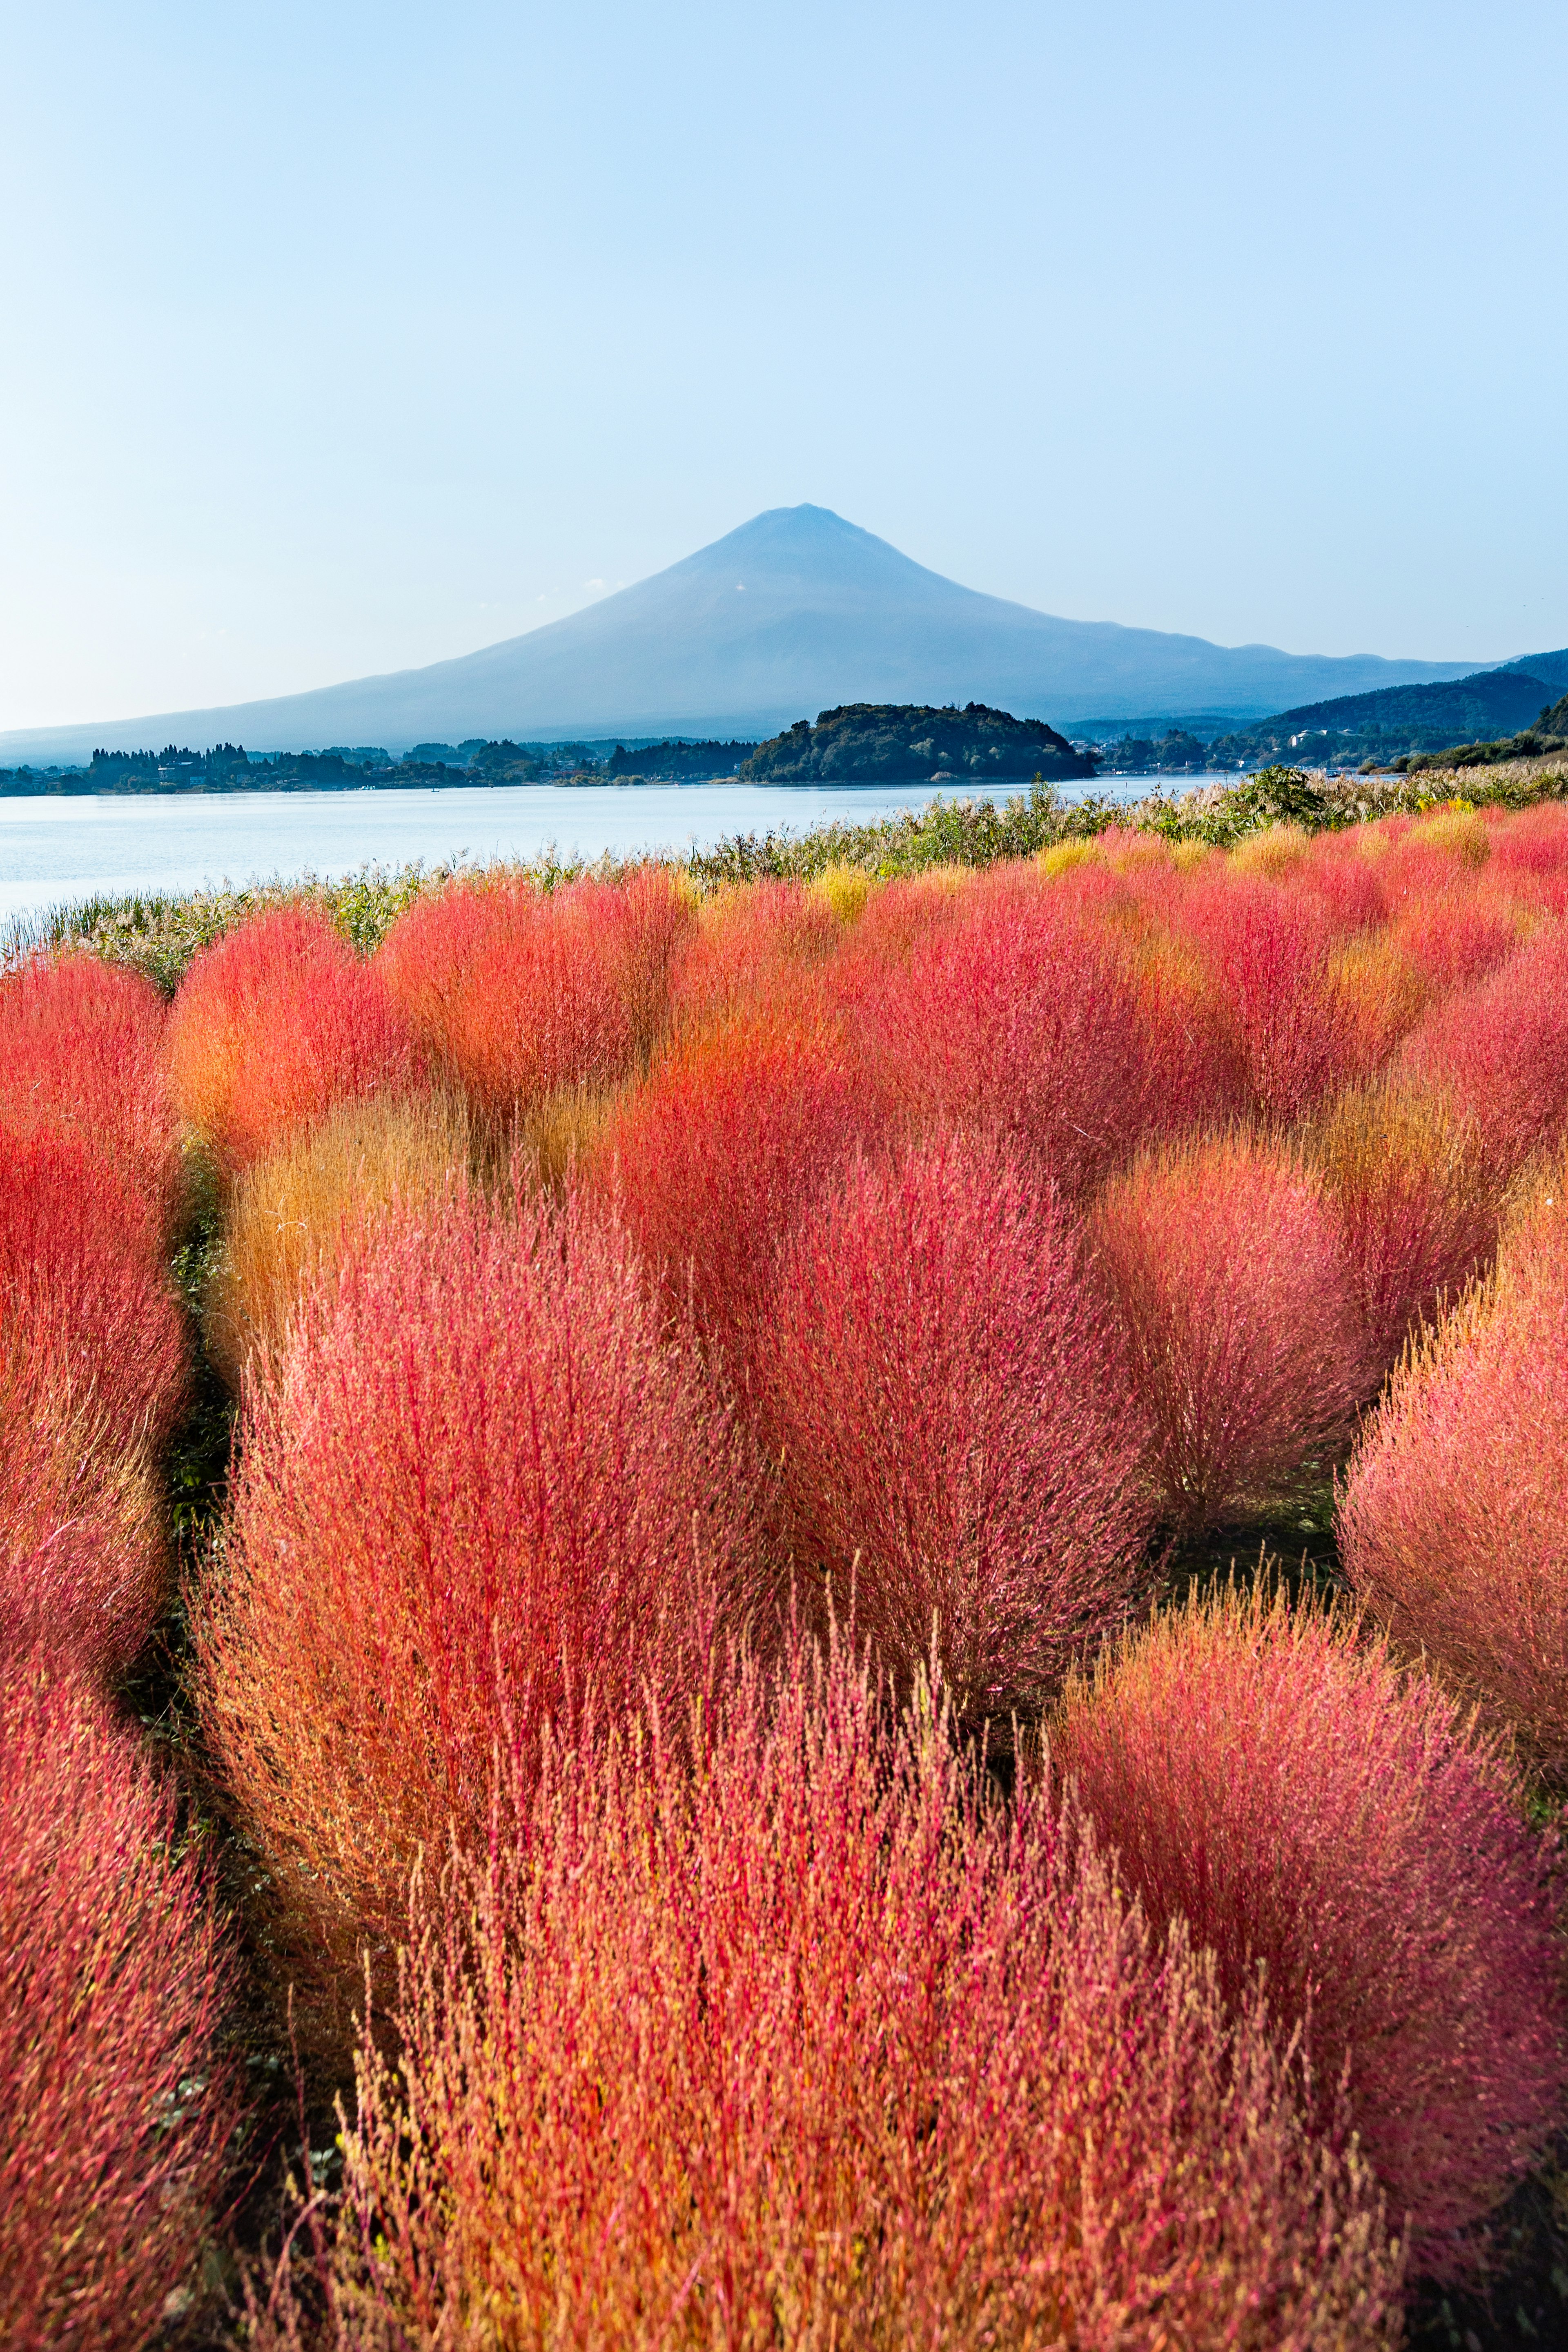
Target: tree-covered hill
x,y
896,742
677,763
1491,704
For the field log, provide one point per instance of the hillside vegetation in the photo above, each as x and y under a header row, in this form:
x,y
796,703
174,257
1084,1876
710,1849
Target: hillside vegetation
x,y
870,742
797,1608
1404,721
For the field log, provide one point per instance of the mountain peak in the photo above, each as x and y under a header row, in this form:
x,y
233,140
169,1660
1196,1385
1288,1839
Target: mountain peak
x,y
796,611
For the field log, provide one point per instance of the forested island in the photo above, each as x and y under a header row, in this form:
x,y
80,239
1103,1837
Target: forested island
x,y
890,742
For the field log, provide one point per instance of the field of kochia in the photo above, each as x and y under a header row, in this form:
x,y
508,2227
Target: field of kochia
x,y
705,1716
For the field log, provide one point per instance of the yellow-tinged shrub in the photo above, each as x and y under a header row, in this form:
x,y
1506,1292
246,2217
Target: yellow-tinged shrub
x,y
1064,855
1188,855
1460,832
846,889
288,1212
1384,993
1269,854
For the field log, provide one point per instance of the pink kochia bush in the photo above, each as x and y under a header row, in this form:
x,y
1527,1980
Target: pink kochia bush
x,y
1454,1519
1020,1020
84,1565
1499,1051
1269,948
717,1159
273,1026
516,991
479,1490
943,1393
85,1302
1274,1781
1243,1339
802,2042
81,1052
114,2109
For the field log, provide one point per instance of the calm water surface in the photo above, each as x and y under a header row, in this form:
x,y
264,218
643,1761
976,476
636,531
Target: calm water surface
x,y
54,850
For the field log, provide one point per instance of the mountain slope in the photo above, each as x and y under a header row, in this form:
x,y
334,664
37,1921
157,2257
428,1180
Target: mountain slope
x,y
794,611
1401,719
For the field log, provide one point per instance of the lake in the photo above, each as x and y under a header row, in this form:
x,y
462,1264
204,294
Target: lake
x,y
53,849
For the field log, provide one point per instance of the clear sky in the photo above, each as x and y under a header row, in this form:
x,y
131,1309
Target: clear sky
x,y
339,337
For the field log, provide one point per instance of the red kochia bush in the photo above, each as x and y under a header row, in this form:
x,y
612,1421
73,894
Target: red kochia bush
x,y
82,1288
820,2048
519,992
1244,1344
1454,1520
83,1562
114,2111
751,946
1019,1019
732,1139
1501,1050
942,1392
1278,1785
478,1489
1267,945
276,1023
81,1049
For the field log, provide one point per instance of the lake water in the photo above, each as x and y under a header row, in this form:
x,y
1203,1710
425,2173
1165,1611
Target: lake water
x,y
53,849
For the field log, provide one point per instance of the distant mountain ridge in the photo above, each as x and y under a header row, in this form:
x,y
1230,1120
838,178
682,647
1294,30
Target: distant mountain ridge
x,y
796,612
1484,706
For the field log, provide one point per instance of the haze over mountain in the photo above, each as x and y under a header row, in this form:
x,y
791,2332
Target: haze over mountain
x,y
793,612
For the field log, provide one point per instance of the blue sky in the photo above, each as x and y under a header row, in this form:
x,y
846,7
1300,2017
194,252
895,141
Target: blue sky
x,y
338,338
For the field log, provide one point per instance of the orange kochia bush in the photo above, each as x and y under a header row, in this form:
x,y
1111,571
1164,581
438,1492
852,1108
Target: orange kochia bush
x,y
276,1023
516,991
1272,1780
1453,1518
478,1490
774,2029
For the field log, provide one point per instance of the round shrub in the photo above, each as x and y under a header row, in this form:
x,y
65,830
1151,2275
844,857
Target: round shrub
x,y
814,2046
290,1215
275,1023
1275,1783
115,2109
1453,1524
1017,1018
1499,1050
518,992
1417,1204
479,1490
86,1305
1243,1340
716,1158
84,1565
81,1051
945,1398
